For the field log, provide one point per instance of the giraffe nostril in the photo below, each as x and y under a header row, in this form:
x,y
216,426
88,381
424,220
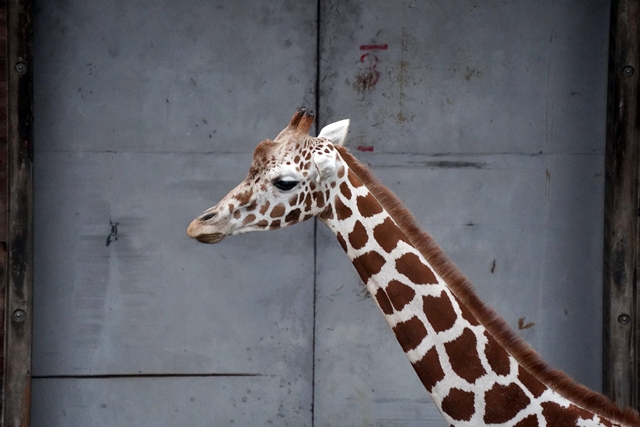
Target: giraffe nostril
x,y
208,216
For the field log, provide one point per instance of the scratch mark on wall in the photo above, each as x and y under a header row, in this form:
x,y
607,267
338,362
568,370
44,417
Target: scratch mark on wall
x,y
547,183
113,236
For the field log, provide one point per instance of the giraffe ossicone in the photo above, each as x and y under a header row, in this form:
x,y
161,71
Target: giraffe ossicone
x,y
477,371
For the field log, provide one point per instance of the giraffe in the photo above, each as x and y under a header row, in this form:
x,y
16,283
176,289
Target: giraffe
x,y
476,369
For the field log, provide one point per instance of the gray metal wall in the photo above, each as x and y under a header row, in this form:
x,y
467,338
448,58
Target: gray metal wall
x,y
486,118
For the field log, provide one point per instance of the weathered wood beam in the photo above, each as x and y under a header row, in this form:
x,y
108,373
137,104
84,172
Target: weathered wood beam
x,y
622,208
18,316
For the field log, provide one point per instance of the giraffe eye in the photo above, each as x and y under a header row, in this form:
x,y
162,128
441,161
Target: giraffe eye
x,y
283,185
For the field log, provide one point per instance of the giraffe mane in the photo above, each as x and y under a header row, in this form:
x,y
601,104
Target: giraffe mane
x,y
495,325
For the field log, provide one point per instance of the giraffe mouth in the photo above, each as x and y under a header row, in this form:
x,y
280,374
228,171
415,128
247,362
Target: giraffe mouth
x,y
210,238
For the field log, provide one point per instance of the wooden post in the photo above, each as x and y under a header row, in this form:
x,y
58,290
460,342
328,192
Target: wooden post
x,y
4,188
19,237
622,209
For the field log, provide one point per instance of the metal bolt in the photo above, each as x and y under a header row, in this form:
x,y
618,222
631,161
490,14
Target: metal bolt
x,y
623,319
18,316
628,71
21,67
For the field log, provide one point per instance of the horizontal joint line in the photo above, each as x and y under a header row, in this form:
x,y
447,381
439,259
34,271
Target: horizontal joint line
x,y
111,376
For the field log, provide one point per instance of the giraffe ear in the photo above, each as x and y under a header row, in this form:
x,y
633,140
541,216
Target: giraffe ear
x,y
325,165
335,132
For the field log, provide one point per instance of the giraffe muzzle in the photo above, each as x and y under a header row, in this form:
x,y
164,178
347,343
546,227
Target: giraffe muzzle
x,y
198,230
210,238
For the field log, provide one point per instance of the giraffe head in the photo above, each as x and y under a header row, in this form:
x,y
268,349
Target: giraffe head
x,y
289,181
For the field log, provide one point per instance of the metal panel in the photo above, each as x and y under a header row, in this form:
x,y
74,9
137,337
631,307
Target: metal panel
x,y
170,76
466,77
147,298
488,120
151,402
147,113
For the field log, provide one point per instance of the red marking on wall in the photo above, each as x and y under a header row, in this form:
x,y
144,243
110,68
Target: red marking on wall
x,y
362,58
374,46
364,148
367,78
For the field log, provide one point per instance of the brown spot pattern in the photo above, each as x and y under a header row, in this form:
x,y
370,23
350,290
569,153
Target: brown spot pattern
x,y
294,215
530,421
410,265
358,237
327,213
530,382
342,242
319,196
503,402
439,312
307,201
410,333
368,206
262,223
557,416
399,294
263,208
243,198
249,219
459,404
383,301
342,211
387,234
429,369
464,358
368,264
467,315
497,356
341,172
251,206
354,180
278,211
345,190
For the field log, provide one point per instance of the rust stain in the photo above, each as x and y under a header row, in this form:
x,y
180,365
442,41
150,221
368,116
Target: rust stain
x,y
472,72
25,420
522,326
367,79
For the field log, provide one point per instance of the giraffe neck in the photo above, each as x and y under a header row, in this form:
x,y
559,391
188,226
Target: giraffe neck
x,y
476,375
